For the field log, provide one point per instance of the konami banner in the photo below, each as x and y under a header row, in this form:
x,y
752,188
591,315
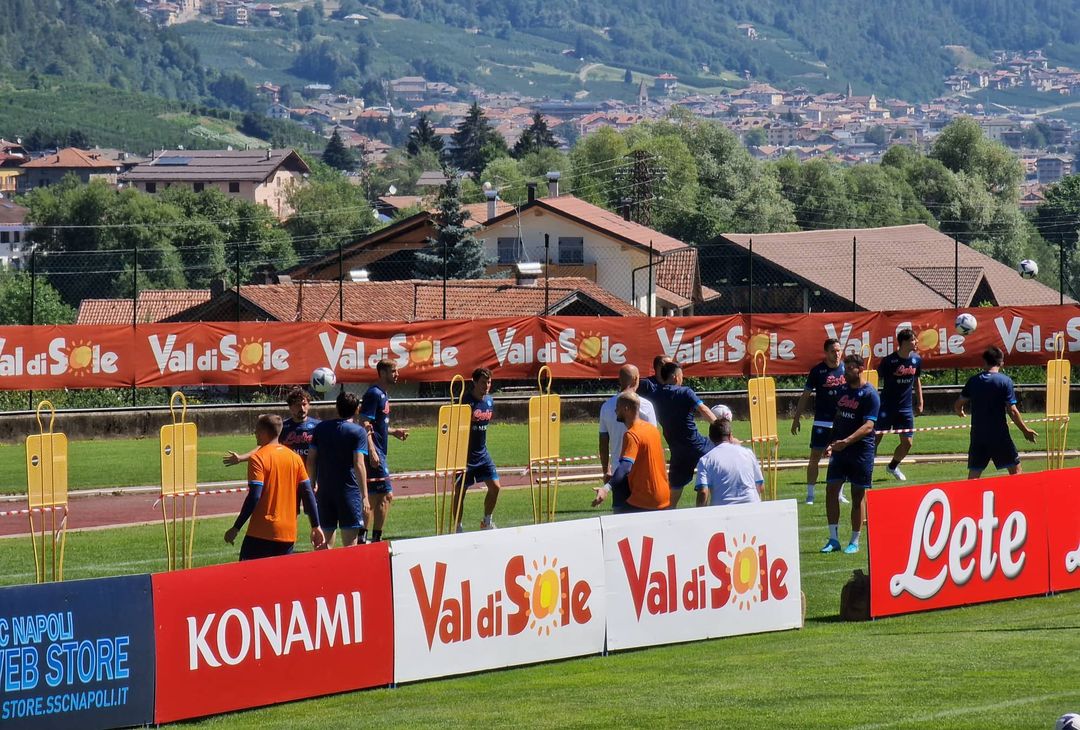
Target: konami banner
x,y
701,573
498,598
278,353
265,631
957,543
1063,513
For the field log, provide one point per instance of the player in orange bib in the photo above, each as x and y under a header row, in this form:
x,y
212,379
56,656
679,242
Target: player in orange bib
x,y
276,475
640,481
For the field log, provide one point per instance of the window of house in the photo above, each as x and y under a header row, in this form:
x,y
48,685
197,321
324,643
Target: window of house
x,y
5,237
509,250
571,251
151,187
16,236
234,187
198,187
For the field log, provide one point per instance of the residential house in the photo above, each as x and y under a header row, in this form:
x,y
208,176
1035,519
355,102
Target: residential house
x,y
235,14
666,84
763,95
13,231
258,176
1051,168
51,169
12,158
278,111
152,305
898,267
409,88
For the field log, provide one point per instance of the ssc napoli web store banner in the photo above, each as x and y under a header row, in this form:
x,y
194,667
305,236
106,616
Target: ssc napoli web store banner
x,y
279,353
486,600
77,654
267,631
697,574
1063,513
941,545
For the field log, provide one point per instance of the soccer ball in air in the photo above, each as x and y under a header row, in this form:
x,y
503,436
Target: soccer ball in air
x,y
1071,721
965,323
722,413
1028,269
322,379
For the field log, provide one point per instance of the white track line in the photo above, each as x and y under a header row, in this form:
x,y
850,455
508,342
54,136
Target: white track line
x,y
972,711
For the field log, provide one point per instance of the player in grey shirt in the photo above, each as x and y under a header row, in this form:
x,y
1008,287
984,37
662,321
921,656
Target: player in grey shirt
x,y
729,474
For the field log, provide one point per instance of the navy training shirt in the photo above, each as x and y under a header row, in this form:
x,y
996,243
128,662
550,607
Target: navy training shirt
x,y
676,409
825,383
854,407
297,435
990,394
898,375
375,408
335,442
482,411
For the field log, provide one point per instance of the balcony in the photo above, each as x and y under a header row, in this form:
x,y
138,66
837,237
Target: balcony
x,y
586,270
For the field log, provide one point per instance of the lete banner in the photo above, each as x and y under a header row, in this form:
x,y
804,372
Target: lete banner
x,y
78,654
698,574
266,631
486,600
277,353
1063,513
940,545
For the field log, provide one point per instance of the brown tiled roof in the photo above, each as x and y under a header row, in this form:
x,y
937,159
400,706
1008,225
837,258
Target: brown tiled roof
x,y
12,214
154,306
207,165
678,278
478,212
389,301
898,267
73,158
400,201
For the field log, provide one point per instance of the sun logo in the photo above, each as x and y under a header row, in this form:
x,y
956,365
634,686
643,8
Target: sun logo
x,y
745,572
589,347
758,342
928,339
421,351
545,597
80,357
251,356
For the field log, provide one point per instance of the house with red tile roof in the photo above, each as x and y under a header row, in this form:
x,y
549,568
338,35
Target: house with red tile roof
x,y
51,169
152,305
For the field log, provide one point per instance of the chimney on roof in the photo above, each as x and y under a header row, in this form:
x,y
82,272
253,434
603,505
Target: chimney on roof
x,y
268,153
492,196
217,287
531,187
527,273
553,183
624,208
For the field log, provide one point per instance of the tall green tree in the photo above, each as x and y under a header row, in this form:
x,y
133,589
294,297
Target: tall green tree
x,y
337,155
475,142
537,136
328,211
962,147
49,308
422,137
453,251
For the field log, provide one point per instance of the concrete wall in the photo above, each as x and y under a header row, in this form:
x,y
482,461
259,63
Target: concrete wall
x,y
214,420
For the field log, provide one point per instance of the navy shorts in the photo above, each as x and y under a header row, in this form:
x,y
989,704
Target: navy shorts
x,y
340,508
253,548
820,437
902,420
681,470
1002,451
379,476
483,471
858,469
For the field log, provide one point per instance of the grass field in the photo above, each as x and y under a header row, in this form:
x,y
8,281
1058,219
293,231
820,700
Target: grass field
x,y
135,462
1008,664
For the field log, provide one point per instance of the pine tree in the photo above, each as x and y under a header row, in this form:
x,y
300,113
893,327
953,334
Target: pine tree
x,y
628,77
453,241
475,142
337,155
423,136
536,137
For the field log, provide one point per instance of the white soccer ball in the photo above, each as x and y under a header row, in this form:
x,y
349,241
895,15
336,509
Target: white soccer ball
x,y
1028,269
966,323
1070,721
722,413
322,379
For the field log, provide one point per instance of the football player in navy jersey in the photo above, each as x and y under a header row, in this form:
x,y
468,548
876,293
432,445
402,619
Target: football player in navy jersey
x,y
900,377
374,415
824,380
480,467
677,410
296,430
851,453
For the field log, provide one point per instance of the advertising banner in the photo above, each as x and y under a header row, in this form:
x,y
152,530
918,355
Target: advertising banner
x,y
260,632
486,600
702,573
940,545
1063,514
77,654
264,353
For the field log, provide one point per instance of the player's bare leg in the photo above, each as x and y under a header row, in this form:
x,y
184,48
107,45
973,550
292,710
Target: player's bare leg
x,y
902,449
812,473
349,536
380,508
490,500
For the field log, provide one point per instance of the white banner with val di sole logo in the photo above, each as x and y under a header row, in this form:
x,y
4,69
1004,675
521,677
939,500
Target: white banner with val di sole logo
x,y
701,573
486,600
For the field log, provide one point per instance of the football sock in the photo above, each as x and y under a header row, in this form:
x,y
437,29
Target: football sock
x,y
855,537
487,519
893,464
834,532
376,535
362,538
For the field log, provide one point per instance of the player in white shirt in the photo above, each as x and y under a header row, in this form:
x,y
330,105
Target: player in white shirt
x,y
611,431
729,474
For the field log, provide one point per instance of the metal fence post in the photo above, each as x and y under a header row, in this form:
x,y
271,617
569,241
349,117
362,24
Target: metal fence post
x,y
750,283
444,275
854,271
33,299
134,305
341,283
